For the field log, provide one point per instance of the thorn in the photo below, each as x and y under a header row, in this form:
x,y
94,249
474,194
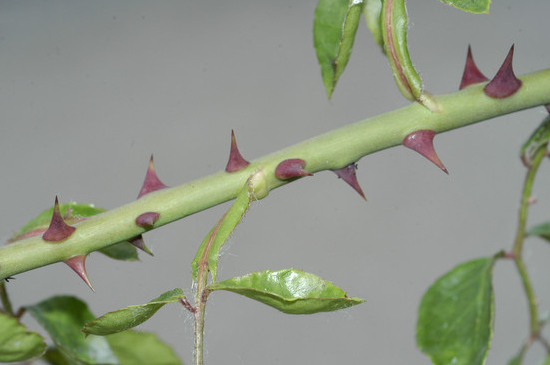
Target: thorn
x,y
532,200
58,229
236,161
139,243
290,168
547,108
146,220
422,142
471,74
505,83
348,175
151,182
78,264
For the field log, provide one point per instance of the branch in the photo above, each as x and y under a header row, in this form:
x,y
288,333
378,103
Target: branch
x,y
329,151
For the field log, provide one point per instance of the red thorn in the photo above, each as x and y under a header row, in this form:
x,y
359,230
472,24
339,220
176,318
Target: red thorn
x,y
290,168
78,264
139,243
471,74
146,220
151,182
422,142
505,83
58,229
236,161
348,175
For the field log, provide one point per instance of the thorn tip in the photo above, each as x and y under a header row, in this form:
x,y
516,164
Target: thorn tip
x,y
421,141
348,174
471,74
78,264
236,161
505,82
293,167
58,229
151,182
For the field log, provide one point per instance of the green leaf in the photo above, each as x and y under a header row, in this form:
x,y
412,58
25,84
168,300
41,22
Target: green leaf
x,y
130,316
471,6
290,291
63,317
16,343
334,28
141,348
121,251
456,315
542,230
72,213
372,12
209,249
54,357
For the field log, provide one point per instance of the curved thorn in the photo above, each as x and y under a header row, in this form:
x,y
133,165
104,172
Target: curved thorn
x,y
78,264
236,161
146,220
139,243
348,175
58,229
422,142
471,74
293,167
505,82
151,182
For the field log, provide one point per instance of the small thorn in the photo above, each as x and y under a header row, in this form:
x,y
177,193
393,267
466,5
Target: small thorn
x,y
146,220
422,142
151,182
471,74
532,200
78,264
58,229
290,168
505,83
348,175
139,243
236,161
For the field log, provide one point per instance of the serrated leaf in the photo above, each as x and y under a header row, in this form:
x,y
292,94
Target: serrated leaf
x,y
16,342
209,249
141,348
290,291
63,317
372,11
74,212
471,6
334,28
456,315
131,316
542,230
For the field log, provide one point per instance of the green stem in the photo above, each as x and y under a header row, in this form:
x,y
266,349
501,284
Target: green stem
x,y
200,309
518,244
332,150
6,304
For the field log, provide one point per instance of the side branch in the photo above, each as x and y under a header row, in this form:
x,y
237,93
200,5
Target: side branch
x,y
330,151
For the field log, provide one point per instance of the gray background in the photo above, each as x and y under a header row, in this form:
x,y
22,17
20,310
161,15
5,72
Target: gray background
x,y
89,89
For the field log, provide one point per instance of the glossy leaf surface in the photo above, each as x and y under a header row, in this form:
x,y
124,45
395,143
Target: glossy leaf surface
x,y
63,317
290,291
334,28
141,348
210,247
131,316
16,342
74,212
542,230
456,315
471,6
